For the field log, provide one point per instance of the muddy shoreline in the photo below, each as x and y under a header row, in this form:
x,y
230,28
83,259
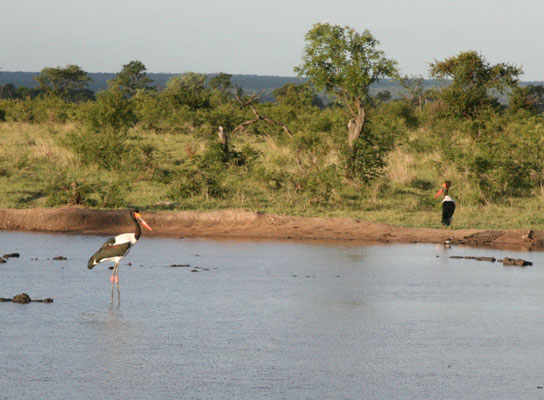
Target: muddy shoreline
x,y
253,225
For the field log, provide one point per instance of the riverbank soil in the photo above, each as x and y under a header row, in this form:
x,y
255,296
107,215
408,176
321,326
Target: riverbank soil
x,y
248,224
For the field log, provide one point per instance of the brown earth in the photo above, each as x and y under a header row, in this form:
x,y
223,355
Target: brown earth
x,y
248,224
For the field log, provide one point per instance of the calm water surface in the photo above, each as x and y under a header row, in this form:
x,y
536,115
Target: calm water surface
x,y
269,320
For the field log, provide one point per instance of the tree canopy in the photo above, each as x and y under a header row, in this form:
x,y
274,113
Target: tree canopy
x,y
472,79
69,83
345,63
133,76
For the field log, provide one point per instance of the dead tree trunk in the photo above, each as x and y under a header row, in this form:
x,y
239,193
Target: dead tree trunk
x,y
356,125
223,139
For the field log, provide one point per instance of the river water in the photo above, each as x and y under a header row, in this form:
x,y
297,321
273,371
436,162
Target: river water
x,y
269,320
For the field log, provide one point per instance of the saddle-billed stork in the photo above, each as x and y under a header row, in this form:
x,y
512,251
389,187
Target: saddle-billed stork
x,y
118,247
448,205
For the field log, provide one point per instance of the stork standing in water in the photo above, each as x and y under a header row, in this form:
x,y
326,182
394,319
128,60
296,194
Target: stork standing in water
x,y
448,205
118,247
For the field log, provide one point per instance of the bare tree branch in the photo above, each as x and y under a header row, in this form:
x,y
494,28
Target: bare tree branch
x,y
249,104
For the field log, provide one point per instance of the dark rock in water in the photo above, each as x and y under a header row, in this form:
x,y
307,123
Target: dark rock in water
x,y
457,257
22,298
59,258
2,261
518,262
48,300
180,265
110,267
10,255
492,259
194,270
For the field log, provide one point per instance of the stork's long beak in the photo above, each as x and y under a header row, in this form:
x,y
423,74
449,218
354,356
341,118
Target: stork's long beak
x,y
139,218
439,193
145,224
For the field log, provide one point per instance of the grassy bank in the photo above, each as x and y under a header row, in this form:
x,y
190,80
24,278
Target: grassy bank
x,y
41,166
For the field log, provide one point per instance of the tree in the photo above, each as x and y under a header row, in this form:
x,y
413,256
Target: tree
x,y
131,78
297,95
472,79
188,89
8,91
530,98
69,83
415,89
345,63
221,86
221,82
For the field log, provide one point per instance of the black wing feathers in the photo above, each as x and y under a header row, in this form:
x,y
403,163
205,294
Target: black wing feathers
x,y
108,250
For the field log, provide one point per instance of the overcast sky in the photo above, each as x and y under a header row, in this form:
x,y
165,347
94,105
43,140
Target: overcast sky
x,y
261,37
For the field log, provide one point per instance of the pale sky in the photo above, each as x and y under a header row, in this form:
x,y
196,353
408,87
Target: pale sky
x,y
261,37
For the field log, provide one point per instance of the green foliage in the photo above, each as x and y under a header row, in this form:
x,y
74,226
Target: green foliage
x,y
68,191
343,62
149,111
365,160
50,109
131,78
65,190
104,148
221,82
111,111
147,147
69,83
103,139
472,78
297,95
529,99
17,110
188,89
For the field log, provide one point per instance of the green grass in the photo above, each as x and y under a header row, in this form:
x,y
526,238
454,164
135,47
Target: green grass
x,y
38,169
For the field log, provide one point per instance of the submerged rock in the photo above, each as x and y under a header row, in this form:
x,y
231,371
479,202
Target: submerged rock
x,y
518,262
10,255
48,300
22,298
2,261
60,258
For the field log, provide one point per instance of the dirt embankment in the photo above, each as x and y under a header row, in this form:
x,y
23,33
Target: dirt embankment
x,y
247,224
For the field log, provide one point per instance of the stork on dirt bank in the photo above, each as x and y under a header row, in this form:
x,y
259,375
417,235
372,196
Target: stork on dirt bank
x,y
448,205
118,247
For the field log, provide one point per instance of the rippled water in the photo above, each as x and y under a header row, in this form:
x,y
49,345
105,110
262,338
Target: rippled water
x,y
269,320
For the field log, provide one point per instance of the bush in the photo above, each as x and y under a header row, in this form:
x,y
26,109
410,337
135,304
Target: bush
x,y
366,159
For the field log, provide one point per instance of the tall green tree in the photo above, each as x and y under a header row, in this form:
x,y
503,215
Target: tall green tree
x,y
529,98
69,83
133,76
472,79
221,86
345,63
188,89
297,95
221,82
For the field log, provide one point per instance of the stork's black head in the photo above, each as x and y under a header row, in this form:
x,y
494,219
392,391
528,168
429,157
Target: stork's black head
x,y
135,214
444,188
